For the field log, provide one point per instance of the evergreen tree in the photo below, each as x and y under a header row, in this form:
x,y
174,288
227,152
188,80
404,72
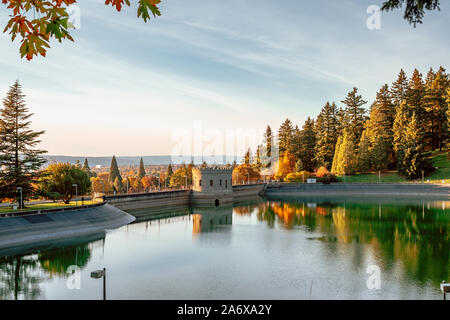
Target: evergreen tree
x,y
87,169
347,160
258,163
399,88
326,135
435,108
414,160
364,155
380,154
19,161
400,122
141,172
355,115
415,97
268,141
299,167
447,99
285,136
169,171
114,171
118,184
247,156
308,143
334,166
381,121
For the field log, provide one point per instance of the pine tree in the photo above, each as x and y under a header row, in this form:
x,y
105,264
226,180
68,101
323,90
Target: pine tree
x,y
118,184
334,166
141,172
415,97
258,163
414,160
169,171
114,171
87,169
380,154
19,161
307,145
447,99
364,155
399,89
355,115
435,108
381,121
326,135
400,122
285,136
347,159
247,156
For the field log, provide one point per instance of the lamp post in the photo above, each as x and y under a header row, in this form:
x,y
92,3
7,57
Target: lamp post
x,y
21,198
248,177
186,181
97,274
76,193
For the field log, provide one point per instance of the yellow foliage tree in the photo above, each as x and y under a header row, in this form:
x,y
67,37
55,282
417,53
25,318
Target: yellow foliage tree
x,y
245,172
285,166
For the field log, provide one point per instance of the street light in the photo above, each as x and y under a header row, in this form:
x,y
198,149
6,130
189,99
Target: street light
x,y
248,175
97,274
186,181
76,193
21,201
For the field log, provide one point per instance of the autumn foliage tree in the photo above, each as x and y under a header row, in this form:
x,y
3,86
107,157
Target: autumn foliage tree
x,y
36,22
245,172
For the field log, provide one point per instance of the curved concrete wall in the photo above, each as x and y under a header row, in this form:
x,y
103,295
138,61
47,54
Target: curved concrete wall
x,y
35,230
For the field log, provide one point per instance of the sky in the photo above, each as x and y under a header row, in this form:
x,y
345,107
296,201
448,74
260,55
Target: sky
x,y
131,88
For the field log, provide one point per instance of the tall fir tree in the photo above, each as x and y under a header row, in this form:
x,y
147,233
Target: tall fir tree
x,y
268,146
380,154
326,135
381,121
247,156
118,184
308,142
364,155
141,172
334,166
114,171
447,99
169,171
415,97
399,88
355,115
285,136
347,162
20,162
87,169
435,108
413,160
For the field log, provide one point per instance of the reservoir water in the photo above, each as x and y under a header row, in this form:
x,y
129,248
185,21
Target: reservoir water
x,y
312,248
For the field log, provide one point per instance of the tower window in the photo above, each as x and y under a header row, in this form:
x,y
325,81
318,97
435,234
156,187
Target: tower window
x,y
211,182
200,183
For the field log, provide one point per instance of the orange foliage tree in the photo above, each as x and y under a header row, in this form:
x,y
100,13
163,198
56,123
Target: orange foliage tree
x,y
52,21
244,172
285,166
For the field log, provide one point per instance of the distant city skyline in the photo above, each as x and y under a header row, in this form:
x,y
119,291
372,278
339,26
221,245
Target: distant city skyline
x,y
124,87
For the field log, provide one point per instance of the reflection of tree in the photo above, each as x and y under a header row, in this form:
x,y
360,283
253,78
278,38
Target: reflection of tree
x,y
57,261
417,237
19,278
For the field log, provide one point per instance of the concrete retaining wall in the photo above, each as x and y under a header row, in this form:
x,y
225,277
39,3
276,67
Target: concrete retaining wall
x,y
39,229
435,191
150,200
247,191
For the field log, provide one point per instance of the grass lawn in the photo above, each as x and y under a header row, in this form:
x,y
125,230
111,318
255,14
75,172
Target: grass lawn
x,y
45,206
439,160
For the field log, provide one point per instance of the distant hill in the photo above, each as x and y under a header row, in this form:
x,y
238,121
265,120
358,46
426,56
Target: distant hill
x,y
134,160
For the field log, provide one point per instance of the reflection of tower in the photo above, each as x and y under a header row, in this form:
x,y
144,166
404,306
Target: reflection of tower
x,y
206,219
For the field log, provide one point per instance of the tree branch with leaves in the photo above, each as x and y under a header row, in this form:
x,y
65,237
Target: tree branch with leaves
x,y
36,22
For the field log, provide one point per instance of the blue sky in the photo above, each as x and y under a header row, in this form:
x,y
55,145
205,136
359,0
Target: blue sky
x,y
124,86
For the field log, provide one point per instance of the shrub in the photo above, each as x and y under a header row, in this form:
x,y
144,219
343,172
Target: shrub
x,y
327,178
322,171
297,177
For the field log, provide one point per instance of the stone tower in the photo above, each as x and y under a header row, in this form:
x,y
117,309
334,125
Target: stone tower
x,y
212,186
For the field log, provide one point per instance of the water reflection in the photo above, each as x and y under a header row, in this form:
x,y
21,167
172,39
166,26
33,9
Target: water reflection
x,y
415,234
291,241
208,219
